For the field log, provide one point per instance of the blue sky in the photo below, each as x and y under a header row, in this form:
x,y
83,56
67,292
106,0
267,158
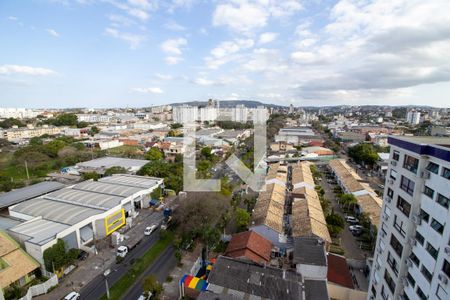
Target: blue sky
x,y
100,53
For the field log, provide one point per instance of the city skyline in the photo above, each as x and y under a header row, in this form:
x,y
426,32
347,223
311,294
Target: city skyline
x,y
142,53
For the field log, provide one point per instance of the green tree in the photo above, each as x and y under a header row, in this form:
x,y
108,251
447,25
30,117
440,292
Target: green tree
x,y
93,130
115,170
57,257
151,285
242,219
176,126
335,223
82,124
10,122
206,153
363,153
65,120
90,175
154,154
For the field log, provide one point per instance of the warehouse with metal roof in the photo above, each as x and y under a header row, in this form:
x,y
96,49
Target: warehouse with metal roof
x,y
80,213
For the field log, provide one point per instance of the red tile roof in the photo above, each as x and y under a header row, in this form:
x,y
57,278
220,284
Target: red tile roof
x,y
251,245
338,271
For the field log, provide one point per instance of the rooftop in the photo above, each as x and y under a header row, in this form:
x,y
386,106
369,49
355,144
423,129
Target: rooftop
x,y
338,271
108,162
107,188
28,192
38,231
254,279
438,147
251,245
142,182
346,175
16,262
309,251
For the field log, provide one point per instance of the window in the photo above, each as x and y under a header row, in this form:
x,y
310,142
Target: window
x,y
441,294
421,295
390,282
414,259
390,193
396,155
411,163
429,192
399,226
403,206
393,174
433,252
437,226
374,291
392,263
446,173
428,276
432,167
446,268
383,228
420,238
396,245
424,216
411,279
407,185
383,294
444,201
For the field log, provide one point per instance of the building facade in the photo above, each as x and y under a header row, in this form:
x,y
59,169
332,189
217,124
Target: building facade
x,y
412,256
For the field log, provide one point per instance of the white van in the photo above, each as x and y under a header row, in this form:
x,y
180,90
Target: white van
x,y
72,296
122,251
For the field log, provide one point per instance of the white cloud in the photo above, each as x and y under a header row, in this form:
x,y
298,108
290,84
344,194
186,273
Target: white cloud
x,y
174,46
149,90
139,9
118,20
52,32
163,76
227,51
204,81
133,40
172,25
173,60
267,37
17,69
245,16
12,18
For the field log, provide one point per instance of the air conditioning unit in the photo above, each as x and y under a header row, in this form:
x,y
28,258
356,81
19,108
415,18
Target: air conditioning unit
x,y
380,251
447,250
443,278
383,234
405,282
391,181
412,242
386,217
377,266
394,163
388,199
425,174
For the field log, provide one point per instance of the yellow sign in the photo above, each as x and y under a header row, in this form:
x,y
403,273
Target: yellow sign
x,y
114,221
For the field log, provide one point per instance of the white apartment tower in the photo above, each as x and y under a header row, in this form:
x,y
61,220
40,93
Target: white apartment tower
x,y
413,117
184,114
239,113
412,255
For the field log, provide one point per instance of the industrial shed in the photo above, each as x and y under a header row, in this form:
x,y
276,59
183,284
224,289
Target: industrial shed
x,y
80,213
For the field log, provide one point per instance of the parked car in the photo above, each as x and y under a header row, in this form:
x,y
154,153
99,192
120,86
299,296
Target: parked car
x,y
355,228
145,297
381,186
351,220
83,255
72,296
122,251
356,232
149,230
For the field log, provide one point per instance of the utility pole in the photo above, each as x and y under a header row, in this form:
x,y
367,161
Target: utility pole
x,y
26,169
107,287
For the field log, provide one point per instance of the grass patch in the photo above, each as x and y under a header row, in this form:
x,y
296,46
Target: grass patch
x,y
121,286
337,249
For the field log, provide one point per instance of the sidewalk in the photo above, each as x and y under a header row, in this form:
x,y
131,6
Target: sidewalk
x,y
97,264
171,289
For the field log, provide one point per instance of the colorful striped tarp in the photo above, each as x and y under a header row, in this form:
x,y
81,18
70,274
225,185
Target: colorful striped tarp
x,y
193,282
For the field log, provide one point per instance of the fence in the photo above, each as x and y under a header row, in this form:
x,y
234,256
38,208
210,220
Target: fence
x,y
41,288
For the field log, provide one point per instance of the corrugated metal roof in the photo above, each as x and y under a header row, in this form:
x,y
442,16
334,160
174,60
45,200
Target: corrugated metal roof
x,y
132,180
55,210
29,192
108,162
85,198
39,231
107,188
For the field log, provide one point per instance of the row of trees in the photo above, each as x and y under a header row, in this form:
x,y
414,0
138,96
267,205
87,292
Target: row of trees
x,y
363,153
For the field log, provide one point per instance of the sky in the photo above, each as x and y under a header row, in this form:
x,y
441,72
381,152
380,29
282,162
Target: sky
x,y
140,53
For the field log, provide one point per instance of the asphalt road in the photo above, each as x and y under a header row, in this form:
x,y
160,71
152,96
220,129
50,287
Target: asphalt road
x,y
97,288
161,268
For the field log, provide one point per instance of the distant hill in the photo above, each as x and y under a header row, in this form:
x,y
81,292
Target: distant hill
x,y
229,103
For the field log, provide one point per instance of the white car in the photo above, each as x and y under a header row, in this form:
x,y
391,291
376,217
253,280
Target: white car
x,y
72,296
351,220
122,251
149,230
355,228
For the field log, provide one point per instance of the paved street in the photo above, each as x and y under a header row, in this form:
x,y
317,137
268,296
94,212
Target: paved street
x,y
162,267
94,265
348,241
96,287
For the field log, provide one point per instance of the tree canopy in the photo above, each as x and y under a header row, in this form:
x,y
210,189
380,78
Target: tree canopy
x,y
10,122
154,154
363,153
56,257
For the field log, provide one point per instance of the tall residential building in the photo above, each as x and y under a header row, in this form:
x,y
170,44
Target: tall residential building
x,y
184,114
412,256
239,114
260,115
208,113
413,117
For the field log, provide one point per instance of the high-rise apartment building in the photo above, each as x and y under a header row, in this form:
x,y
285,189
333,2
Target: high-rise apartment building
x,y
239,113
412,255
184,114
413,117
